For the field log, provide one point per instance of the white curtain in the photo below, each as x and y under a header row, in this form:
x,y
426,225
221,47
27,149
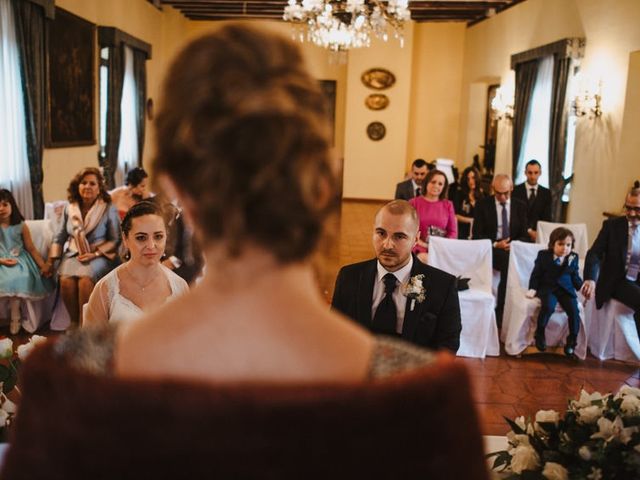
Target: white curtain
x,y
535,140
128,148
14,163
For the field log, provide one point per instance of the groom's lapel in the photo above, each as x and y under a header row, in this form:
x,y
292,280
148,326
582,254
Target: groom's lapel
x,y
411,318
365,292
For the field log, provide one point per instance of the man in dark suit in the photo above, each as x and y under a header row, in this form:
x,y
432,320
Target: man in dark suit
x,y
535,196
614,259
395,294
413,186
501,219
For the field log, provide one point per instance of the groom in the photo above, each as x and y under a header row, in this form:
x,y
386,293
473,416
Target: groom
x,y
396,294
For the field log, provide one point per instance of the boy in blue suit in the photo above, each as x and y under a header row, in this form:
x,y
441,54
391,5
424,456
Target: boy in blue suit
x,y
555,279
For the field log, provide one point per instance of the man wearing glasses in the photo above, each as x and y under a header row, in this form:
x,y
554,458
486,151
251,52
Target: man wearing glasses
x,y
501,219
614,259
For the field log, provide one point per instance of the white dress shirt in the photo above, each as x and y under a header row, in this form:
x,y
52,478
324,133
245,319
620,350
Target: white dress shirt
x,y
633,253
399,299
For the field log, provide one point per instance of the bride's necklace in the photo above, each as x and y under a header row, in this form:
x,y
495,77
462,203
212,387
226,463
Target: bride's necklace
x,y
137,283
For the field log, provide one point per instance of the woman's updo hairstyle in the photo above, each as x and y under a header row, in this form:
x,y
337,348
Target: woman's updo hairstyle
x,y
243,130
140,209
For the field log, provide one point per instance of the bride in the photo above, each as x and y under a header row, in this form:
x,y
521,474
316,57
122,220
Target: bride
x,y
141,283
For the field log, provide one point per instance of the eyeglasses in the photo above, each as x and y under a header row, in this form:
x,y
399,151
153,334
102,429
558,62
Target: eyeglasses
x,y
631,208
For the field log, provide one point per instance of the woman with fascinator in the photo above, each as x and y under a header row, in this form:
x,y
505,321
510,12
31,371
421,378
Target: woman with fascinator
x,y
87,243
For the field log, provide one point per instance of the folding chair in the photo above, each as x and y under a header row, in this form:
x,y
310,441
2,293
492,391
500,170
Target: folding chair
x,y
470,259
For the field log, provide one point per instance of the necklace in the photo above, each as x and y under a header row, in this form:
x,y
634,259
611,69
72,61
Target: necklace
x,y
138,284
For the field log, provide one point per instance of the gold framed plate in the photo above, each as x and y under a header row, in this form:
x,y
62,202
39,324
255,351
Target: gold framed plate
x,y
378,79
376,131
377,101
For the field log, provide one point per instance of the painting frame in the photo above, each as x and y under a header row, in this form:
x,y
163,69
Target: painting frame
x,y
70,79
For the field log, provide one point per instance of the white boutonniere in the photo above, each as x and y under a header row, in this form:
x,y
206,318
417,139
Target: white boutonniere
x,y
414,290
572,256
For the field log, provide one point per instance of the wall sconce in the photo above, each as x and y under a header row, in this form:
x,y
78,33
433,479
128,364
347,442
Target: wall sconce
x,y
502,104
587,102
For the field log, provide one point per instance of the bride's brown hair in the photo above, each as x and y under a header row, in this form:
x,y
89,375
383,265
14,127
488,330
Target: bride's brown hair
x,y
243,131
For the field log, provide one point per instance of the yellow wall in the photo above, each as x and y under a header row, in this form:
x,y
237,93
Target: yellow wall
x,y
434,110
603,169
164,30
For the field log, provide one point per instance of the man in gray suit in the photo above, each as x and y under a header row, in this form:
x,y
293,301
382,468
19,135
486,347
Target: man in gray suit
x,y
413,186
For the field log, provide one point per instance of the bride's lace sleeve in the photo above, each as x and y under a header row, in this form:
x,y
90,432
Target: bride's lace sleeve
x,y
96,311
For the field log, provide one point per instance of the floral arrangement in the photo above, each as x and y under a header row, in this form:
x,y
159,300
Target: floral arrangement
x,y
597,439
414,290
9,366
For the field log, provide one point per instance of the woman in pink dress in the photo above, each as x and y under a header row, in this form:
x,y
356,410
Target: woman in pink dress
x,y
436,213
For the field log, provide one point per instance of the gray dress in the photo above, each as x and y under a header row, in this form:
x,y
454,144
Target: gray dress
x,y
107,229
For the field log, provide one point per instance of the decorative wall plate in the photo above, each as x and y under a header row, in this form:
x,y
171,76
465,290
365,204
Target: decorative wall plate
x,y
376,131
378,78
377,101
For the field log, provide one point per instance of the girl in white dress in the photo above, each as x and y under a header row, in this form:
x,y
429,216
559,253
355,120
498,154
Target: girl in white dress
x,y
142,283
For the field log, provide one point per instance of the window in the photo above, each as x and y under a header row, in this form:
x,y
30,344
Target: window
x,y
14,163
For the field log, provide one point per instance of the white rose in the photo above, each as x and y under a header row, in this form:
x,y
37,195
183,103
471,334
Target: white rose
x,y
524,458
555,471
24,350
584,453
547,416
627,390
4,416
517,439
586,399
8,406
630,404
6,348
590,414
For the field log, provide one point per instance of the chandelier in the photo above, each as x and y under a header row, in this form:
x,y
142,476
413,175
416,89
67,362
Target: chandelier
x,y
343,24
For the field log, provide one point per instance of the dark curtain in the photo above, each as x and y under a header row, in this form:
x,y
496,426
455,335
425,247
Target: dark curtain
x,y
558,135
114,96
525,81
140,75
30,32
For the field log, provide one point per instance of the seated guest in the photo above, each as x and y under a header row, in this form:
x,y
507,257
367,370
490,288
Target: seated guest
x,y
239,370
412,187
614,259
500,219
435,213
535,196
92,226
134,190
142,283
556,279
387,294
465,200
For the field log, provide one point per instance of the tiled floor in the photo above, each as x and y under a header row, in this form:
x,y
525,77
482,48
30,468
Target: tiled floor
x,y
503,386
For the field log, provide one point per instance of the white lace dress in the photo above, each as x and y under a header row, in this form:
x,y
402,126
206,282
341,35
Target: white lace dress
x,y
106,299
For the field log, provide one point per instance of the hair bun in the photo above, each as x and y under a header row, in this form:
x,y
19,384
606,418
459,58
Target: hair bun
x,y
636,184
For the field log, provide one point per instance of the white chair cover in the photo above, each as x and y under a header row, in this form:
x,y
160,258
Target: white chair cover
x,y
612,332
470,259
54,211
521,313
579,230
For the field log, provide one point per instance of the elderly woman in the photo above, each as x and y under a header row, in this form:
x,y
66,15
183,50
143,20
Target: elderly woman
x,y
436,214
90,235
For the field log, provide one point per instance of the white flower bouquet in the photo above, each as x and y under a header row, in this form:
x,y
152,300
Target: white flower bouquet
x,y
597,439
414,290
9,366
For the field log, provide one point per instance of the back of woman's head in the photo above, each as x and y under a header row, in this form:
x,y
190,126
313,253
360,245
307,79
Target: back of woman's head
x,y
16,215
135,176
243,132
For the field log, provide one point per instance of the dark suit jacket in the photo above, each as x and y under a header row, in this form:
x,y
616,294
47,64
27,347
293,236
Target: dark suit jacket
x,y
405,190
485,220
540,209
434,323
547,276
606,259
